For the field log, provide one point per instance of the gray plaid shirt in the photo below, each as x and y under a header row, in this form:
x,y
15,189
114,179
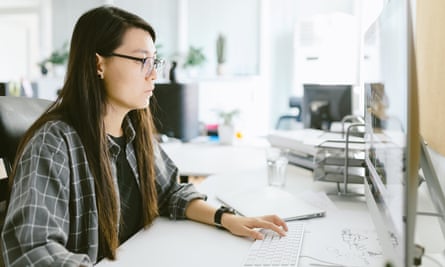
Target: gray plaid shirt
x,y
52,217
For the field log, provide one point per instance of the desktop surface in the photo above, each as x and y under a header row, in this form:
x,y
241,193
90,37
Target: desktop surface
x,y
346,235
181,243
206,158
346,227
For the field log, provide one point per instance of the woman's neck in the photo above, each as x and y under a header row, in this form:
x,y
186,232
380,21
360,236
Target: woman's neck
x,y
113,122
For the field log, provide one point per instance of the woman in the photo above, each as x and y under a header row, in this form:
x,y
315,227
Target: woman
x,y
90,173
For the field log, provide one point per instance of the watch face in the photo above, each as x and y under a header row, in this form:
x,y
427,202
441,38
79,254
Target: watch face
x,y
219,213
228,209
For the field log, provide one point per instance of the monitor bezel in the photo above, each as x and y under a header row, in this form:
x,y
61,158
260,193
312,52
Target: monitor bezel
x,y
335,94
402,255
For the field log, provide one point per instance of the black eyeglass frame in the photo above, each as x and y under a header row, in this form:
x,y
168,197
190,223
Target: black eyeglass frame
x,y
157,62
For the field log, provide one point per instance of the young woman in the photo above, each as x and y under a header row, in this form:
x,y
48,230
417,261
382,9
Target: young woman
x,y
89,172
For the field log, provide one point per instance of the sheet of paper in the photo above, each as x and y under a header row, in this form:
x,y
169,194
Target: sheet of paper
x,y
341,239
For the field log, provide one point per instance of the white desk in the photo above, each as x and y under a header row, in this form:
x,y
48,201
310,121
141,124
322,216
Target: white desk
x,y
211,158
343,235
194,244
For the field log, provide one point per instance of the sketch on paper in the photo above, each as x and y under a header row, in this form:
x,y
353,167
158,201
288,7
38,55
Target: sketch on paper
x,y
343,245
357,244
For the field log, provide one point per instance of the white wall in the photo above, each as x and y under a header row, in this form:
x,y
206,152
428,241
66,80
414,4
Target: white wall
x,y
259,34
65,14
22,45
205,19
163,15
238,21
283,16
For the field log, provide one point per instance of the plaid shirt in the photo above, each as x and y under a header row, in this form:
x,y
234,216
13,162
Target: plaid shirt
x,y
52,217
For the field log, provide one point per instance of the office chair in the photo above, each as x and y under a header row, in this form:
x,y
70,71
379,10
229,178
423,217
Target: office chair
x,y
17,114
295,116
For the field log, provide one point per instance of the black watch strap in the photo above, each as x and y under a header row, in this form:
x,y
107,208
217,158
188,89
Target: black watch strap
x,y
218,215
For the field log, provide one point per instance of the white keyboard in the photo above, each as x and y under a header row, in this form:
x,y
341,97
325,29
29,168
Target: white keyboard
x,y
274,250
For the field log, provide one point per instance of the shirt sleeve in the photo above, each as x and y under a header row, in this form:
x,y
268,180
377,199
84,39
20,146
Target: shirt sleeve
x,y
173,198
36,227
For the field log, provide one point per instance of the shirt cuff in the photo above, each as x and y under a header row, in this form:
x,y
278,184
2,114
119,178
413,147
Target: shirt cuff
x,y
178,207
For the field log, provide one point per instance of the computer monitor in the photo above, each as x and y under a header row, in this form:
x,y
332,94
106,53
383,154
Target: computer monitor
x,y
324,104
19,88
175,110
392,137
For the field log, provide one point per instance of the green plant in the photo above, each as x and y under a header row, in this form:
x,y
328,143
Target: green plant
x,y
227,117
221,49
195,57
58,56
159,53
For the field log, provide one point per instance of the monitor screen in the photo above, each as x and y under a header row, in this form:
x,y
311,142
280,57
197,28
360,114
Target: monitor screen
x,y
175,110
324,104
19,88
392,134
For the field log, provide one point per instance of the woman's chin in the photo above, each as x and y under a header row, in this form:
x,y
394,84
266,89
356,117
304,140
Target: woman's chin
x,y
147,102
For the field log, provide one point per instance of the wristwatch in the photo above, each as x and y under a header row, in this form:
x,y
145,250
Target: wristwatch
x,y
218,215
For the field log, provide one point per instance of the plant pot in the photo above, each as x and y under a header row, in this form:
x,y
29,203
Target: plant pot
x,y
192,72
220,69
59,70
226,134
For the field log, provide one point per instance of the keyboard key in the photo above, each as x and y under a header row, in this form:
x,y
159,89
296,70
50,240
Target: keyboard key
x,y
275,250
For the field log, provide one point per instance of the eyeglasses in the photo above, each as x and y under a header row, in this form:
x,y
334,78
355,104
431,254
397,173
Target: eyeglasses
x,y
148,63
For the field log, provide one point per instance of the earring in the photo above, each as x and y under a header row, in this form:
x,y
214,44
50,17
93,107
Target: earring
x,y
100,75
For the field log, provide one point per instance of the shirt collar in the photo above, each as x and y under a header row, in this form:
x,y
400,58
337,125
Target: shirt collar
x,y
129,133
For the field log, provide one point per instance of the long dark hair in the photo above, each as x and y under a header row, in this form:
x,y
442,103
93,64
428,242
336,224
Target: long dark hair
x,y
82,104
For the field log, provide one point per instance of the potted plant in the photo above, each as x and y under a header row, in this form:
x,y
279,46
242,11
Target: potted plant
x,y
220,54
226,128
57,60
194,58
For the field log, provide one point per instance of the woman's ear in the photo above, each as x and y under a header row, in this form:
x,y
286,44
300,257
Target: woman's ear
x,y
100,66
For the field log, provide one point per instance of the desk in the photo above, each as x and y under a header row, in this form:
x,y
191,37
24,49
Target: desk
x,y
186,243
194,244
204,159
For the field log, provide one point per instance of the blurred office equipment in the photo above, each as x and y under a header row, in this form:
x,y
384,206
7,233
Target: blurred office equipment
x,y
321,107
175,110
324,104
302,144
292,119
17,114
19,88
333,157
2,89
341,161
392,153
434,185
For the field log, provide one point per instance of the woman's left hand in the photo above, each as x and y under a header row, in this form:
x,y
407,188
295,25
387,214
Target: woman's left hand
x,y
246,226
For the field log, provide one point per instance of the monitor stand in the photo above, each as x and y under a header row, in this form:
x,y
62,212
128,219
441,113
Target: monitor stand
x,y
434,187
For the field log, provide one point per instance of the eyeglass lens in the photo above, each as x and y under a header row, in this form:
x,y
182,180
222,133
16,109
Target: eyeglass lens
x,y
152,63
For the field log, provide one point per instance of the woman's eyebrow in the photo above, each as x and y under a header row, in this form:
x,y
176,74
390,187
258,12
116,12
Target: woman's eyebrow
x,y
144,51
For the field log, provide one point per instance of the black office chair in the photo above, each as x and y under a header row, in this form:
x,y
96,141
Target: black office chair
x,y
17,114
294,116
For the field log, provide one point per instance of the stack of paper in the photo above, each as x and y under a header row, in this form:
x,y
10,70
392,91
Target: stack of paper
x,y
302,144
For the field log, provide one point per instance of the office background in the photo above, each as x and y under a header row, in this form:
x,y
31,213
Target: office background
x,y
272,48
262,40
